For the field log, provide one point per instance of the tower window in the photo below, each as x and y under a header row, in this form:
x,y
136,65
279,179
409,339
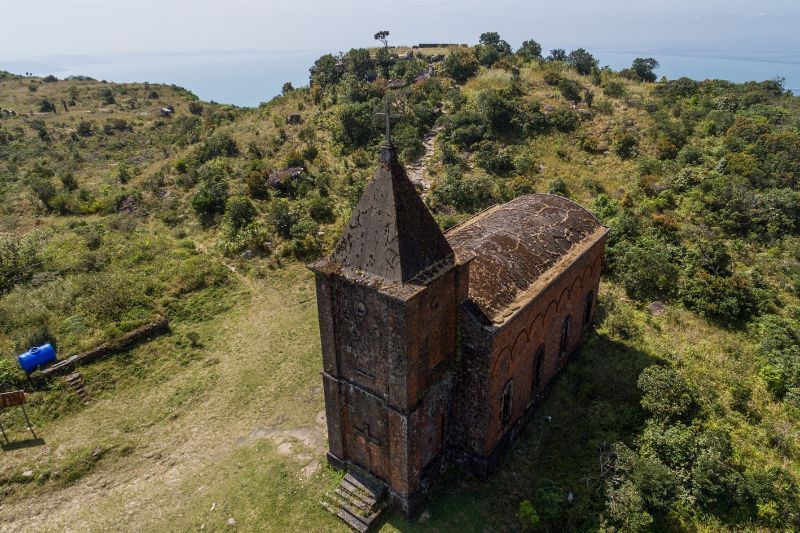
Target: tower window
x,y
587,314
505,410
564,337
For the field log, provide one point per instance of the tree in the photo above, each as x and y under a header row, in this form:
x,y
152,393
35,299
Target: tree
x,y
240,212
211,198
557,54
287,87
491,48
360,64
530,50
357,124
583,61
644,69
460,64
325,71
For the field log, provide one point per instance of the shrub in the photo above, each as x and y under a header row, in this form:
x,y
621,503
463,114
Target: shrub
x,y
665,394
465,128
196,108
625,144
467,194
85,128
257,181
19,260
282,217
210,199
724,299
357,124
614,89
645,268
570,89
528,515
220,144
239,212
563,119
558,186
460,64
320,208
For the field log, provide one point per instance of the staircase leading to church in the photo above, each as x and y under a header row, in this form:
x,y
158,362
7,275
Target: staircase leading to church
x,y
358,501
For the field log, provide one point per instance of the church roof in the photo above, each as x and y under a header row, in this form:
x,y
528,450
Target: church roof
x,y
516,245
391,233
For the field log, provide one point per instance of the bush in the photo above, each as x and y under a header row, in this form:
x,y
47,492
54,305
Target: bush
x,y
19,260
465,128
460,64
320,208
239,212
559,186
563,119
11,375
282,217
645,268
665,394
570,89
614,89
196,108
210,199
625,144
468,194
220,144
85,128
727,300
357,124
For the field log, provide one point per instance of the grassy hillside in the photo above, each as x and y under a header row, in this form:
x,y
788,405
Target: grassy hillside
x,y
679,415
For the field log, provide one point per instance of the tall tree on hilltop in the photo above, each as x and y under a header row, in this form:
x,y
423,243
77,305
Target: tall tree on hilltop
x,y
583,61
644,68
530,50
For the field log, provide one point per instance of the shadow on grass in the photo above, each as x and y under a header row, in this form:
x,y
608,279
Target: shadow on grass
x,y
20,444
593,403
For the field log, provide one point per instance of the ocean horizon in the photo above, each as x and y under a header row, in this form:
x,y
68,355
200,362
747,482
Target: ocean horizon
x,y
248,77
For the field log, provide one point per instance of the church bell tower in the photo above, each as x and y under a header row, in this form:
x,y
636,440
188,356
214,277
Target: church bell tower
x,y
387,299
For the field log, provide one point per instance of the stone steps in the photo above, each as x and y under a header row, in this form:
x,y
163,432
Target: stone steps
x,y
359,502
75,382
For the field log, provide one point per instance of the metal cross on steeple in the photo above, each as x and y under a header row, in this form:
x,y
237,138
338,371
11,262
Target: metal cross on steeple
x,y
388,116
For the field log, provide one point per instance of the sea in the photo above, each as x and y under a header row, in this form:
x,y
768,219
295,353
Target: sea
x,y
248,77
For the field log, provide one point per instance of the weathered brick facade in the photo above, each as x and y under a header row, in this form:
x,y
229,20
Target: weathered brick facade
x,y
436,347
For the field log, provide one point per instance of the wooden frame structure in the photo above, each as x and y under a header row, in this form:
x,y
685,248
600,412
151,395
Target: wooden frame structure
x,y
15,399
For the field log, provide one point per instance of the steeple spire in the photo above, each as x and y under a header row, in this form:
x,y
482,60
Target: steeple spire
x,y
391,233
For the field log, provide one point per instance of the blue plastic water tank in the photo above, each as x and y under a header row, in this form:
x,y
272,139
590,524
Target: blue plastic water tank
x,y
36,357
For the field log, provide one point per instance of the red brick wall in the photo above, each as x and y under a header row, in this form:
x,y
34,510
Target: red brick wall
x,y
539,324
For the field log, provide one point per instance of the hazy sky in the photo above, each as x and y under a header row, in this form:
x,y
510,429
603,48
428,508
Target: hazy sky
x,y
31,28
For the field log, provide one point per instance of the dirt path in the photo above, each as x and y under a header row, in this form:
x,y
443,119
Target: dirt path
x,y
418,170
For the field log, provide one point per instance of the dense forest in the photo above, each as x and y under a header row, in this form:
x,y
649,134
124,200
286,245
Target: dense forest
x,y
123,201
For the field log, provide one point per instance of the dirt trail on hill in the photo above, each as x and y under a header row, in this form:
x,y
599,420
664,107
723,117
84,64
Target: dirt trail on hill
x,y
257,381
418,170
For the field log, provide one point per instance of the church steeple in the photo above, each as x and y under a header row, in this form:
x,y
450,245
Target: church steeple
x,y
391,233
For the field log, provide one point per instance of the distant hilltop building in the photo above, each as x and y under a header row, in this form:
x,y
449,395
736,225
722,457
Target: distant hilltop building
x,y
440,45
435,345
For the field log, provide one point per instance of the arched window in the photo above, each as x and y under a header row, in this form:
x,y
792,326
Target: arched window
x,y
507,401
564,337
538,360
587,314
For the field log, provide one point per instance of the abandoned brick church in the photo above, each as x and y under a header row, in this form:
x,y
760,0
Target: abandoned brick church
x,y
437,345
